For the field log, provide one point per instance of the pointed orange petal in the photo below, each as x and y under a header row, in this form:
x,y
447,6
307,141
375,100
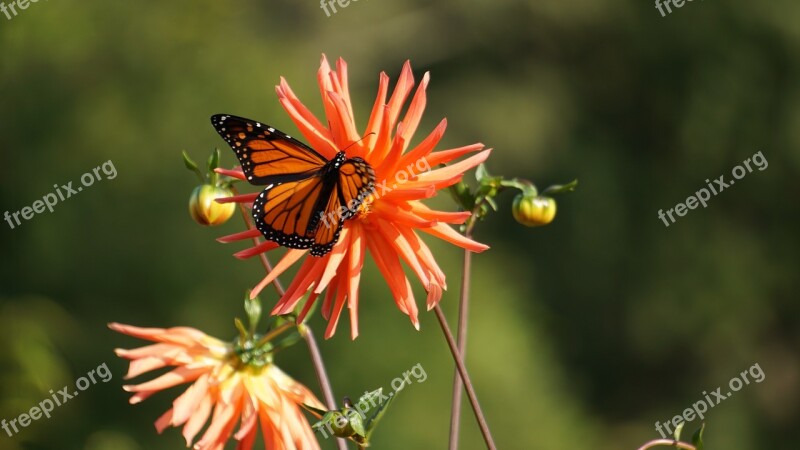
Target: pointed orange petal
x,y
415,109
338,304
257,250
291,257
445,156
308,274
164,421
317,135
240,236
186,404
344,123
444,232
403,248
404,195
238,173
356,263
376,117
456,169
197,420
422,211
312,297
401,91
425,255
392,157
335,258
393,213
415,157
177,376
243,198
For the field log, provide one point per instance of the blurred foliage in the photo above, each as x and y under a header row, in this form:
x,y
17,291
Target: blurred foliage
x,y
583,333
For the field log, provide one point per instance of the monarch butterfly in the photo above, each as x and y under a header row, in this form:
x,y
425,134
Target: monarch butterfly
x,y
303,189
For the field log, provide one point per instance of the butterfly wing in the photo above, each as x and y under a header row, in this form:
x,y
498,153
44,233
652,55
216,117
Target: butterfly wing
x,y
267,155
351,185
356,183
284,213
307,198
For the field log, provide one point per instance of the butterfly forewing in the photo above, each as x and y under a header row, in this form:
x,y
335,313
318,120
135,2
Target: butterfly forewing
x,y
267,155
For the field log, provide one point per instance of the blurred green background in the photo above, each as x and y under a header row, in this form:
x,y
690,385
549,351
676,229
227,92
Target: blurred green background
x,y
582,334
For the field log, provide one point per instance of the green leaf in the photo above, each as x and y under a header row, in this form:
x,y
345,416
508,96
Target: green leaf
x,y
697,437
678,430
191,165
562,188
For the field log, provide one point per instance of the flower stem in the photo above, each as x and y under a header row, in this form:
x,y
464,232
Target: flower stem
x,y
463,314
305,332
272,334
668,443
462,370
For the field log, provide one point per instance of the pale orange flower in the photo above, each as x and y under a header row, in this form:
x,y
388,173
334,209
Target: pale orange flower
x,y
234,391
387,224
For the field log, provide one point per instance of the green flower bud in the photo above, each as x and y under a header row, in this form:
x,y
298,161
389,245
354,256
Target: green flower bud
x,y
205,211
533,211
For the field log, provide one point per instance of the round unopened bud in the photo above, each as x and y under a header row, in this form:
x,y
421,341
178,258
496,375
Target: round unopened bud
x,y
205,210
534,211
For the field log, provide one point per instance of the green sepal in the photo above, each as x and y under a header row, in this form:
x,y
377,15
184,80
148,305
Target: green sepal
x,y
562,188
252,307
481,172
287,342
243,334
316,412
213,160
697,437
377,414
191,165
678,430
356,422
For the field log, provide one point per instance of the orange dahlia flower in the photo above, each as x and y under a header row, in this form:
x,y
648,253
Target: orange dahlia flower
x,y
236,392
387,223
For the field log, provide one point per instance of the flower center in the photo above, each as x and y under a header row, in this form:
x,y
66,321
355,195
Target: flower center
x,y
250,354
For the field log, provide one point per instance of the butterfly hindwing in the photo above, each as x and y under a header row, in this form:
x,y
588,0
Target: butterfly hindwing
x,y
356,182
283,212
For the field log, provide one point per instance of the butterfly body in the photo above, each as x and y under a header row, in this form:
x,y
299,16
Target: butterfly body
x,y
306,198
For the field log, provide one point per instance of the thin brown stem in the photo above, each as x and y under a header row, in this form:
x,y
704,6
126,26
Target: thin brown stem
x,y
463,314
305,332
462,370
668,443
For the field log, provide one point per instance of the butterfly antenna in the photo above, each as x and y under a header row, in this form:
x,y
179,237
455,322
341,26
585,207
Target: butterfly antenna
x,y
356,142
